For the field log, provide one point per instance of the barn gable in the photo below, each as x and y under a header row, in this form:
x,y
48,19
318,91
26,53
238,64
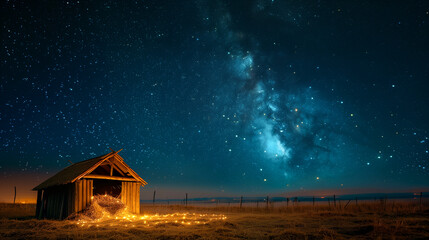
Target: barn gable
x,y
112,163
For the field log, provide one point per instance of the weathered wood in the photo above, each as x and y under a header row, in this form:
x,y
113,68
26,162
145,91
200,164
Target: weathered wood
x,y
96,176
62,204
123,192
71,198
47,211
48,204
79,195
57,204
68,199
39,201
118,163
75,196
92,168
88,197
136,198
54,205
130,196
117,168
131,172
91,191
126,194
51,204
45,204
84,195
42,207
91,183
51,201
119,157
88,192
133,197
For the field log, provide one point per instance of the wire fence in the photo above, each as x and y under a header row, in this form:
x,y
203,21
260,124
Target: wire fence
x,y
334,201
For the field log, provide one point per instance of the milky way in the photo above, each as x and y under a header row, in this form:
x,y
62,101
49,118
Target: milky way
x,y
216,96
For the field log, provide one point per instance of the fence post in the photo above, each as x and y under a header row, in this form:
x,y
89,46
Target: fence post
x,y
335,203
186,200
153,201
421,195
268,200
347,203
313,201
287,202
385,202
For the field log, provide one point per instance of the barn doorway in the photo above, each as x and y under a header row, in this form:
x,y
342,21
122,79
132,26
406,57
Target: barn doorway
x,y
109,187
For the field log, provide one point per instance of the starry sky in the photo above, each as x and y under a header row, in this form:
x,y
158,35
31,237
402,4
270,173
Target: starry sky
x,y
219,97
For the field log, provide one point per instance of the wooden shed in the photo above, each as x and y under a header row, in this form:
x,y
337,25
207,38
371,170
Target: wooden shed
x,y
71,190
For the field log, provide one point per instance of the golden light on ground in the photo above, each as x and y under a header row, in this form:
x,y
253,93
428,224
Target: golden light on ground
x,y
131,220
109,211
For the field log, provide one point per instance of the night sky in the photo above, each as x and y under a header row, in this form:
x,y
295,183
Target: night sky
x,y
219,97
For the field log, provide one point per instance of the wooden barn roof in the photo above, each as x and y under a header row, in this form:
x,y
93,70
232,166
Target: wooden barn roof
x,y
83,169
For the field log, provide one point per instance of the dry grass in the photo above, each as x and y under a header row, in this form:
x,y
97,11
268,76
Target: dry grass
x,y
371,220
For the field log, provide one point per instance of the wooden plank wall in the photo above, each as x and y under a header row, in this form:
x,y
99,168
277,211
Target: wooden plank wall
x,y
83,192
70,199
60,202
130,196
138,198
51,203
39,203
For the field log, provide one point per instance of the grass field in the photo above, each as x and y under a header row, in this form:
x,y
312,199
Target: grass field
x,y
370,220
